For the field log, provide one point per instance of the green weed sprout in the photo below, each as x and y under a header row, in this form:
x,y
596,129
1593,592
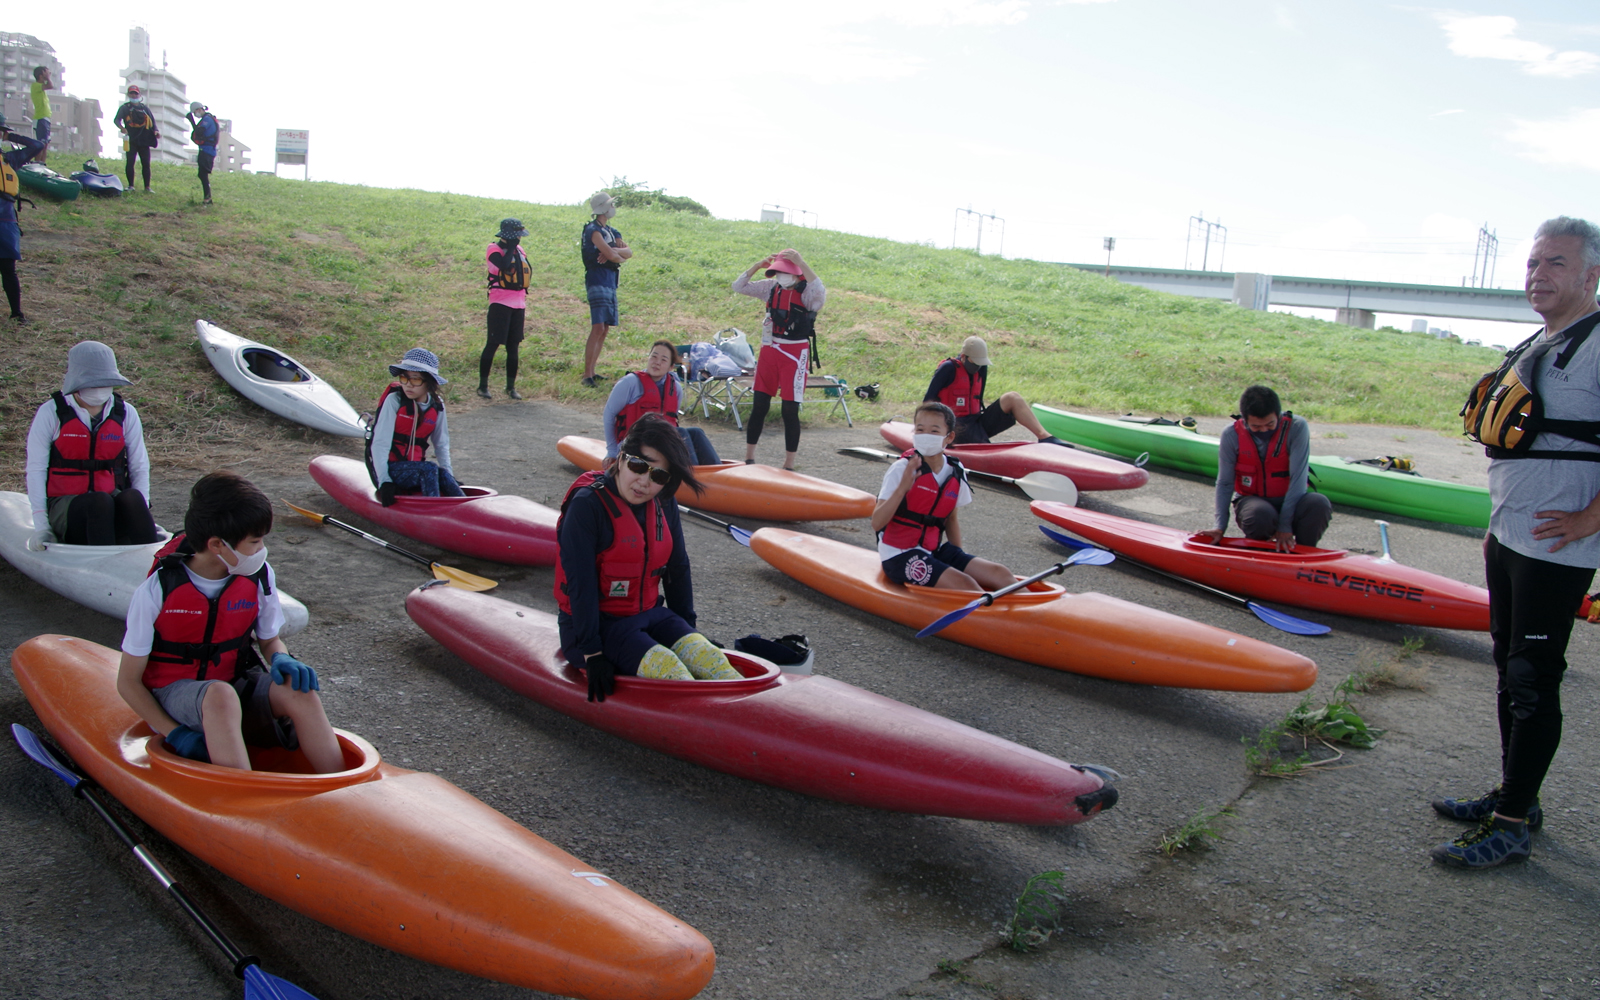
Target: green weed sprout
x,y
1037,911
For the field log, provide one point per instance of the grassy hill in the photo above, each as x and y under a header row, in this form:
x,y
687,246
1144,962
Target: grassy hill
x,y
347,278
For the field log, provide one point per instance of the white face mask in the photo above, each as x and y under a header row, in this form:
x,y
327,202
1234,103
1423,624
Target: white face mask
x,y
247,565
96,396
928,445
787,280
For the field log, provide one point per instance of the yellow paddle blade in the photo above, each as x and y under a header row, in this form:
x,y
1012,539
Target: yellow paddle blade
x,y
462,579
311,514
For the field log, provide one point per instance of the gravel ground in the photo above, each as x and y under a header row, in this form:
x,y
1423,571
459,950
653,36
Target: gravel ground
x,y
1319,886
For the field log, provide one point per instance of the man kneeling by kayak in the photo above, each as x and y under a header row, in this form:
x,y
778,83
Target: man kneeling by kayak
x,y
621,544
188,666
919,539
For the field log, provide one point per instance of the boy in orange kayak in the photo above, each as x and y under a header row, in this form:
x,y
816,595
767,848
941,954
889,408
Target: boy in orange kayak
x,y
188,665
919,539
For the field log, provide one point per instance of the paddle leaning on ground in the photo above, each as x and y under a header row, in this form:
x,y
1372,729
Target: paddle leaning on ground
x,y
449,574
258,984
1277,619
1037,485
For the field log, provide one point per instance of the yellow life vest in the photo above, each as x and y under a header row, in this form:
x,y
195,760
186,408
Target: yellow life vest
x,y
10,186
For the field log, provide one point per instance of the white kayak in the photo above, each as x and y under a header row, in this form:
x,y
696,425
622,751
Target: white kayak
x,y
102,577
277,382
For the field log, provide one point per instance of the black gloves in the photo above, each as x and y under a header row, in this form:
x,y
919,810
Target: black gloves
x,y
386,494
602,677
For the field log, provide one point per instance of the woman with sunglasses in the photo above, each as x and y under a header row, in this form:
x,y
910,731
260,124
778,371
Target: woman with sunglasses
x,y
411,417
621,546
656,389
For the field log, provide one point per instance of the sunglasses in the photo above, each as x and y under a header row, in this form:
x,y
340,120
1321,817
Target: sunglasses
x,y
639,467
417,379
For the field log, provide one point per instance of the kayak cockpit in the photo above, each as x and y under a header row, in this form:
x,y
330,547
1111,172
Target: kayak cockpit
x,y
1261,550
270,366
420,503
1037,592
276,769
756,674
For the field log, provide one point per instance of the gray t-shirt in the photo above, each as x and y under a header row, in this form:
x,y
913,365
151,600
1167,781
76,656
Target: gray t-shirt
x,y
1520,486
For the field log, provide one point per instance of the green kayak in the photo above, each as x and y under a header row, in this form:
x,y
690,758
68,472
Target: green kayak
x,y
1340,480
47,182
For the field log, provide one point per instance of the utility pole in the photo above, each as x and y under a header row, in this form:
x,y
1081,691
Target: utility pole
x,y
1483,258
1111,244
1206,232
977,218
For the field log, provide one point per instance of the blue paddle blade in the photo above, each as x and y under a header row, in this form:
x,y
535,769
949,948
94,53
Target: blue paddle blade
x,y
740,535
1287,623
35,748
1094,557
951,618
260,985
1067,540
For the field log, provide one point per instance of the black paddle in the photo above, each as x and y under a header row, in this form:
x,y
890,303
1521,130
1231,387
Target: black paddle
x,y
739,534
1086,557
1277,619
258,985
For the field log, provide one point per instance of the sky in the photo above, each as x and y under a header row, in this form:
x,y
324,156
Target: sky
x,y
1360,140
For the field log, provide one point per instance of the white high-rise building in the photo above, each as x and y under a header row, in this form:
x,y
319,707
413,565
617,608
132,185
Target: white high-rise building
x,y
165,95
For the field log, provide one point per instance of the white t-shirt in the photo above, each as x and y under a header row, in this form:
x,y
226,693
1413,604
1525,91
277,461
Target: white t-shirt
x,y
891,482
146,605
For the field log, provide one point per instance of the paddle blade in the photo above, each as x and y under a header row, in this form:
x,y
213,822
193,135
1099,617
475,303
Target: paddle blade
x,y
1287,623
1067,540
460,578
260,985
41,754
310,515
740,535
1093,557
951,618
1049,486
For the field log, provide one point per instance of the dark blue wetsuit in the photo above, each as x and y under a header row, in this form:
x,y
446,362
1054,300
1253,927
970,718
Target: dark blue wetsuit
x,y
209,130
10,233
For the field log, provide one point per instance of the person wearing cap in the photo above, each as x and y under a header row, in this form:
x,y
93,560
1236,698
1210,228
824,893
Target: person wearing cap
x,y
794,295
206,131
41,108
410,417
10,233
603,253
509,277
959,382
140,135
87,472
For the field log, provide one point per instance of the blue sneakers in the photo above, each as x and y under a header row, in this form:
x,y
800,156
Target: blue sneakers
x,y
1481,808
1494,842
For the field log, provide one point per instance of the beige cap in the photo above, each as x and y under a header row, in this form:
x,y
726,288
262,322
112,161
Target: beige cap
x,y
601,203
976,350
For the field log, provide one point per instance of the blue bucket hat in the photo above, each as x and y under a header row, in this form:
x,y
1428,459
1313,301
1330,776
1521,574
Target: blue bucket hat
x,y
419,359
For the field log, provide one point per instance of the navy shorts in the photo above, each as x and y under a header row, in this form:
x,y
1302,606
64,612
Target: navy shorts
x,y
978,428
41,130
602,305
917,568
10,241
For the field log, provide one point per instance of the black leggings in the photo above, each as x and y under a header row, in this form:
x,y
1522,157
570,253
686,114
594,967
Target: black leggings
x,y
1531,606
791,421
486,362
143,155
101,519
8,278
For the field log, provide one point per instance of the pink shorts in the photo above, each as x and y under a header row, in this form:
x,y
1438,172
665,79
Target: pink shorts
x,y
781,369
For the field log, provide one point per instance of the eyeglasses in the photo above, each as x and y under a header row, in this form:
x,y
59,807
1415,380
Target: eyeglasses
x,y
639,467
416,378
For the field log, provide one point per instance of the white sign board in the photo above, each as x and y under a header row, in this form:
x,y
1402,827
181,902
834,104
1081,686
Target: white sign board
x,y
293,145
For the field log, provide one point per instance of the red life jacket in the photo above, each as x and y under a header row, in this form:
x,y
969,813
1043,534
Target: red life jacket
x,y
791,320
630,568
1254,476
201,638
920,520
964,394
84,460
654,400
411,436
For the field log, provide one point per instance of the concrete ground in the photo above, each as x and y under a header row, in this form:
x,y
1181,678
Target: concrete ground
x,y
1319,885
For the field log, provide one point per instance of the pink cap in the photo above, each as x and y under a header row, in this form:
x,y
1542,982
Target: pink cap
x,y
783,264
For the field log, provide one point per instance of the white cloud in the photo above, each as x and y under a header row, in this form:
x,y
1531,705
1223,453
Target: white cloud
x,y
1573,141
1452,111
1493,37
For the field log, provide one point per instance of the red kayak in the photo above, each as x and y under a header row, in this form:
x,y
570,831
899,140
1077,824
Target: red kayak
x,y
1018,458
485,524
808,734
1321,579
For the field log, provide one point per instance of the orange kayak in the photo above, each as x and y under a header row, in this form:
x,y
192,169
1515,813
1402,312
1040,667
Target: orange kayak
x,y
1088,634
756,491
400,858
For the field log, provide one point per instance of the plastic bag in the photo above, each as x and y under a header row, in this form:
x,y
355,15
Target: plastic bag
x,y
736,347
706,360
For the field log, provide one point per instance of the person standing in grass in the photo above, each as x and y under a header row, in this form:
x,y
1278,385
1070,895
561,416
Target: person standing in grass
x,y
139,131
508,303
959,382
794,295
41,108
1264,474
1542,546
10,232
206,130
603,253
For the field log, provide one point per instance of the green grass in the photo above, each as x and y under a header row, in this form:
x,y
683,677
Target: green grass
x,y
1196,832
347,277
1036,912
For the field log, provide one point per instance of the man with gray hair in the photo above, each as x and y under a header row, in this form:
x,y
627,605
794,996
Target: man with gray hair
x,y
1542,547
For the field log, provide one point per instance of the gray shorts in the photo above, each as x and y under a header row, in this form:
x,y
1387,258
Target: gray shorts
x,y
183,700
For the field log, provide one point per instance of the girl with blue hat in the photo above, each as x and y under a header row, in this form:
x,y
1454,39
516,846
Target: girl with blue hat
x,y
411,417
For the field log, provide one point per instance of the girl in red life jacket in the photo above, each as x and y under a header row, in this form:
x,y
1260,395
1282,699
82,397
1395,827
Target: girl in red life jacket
x,y
794,295
919,539
411,417
87,472
656,389
188,668
621,547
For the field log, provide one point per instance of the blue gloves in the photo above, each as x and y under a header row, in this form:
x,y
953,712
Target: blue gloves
x,y
288,670
190,743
